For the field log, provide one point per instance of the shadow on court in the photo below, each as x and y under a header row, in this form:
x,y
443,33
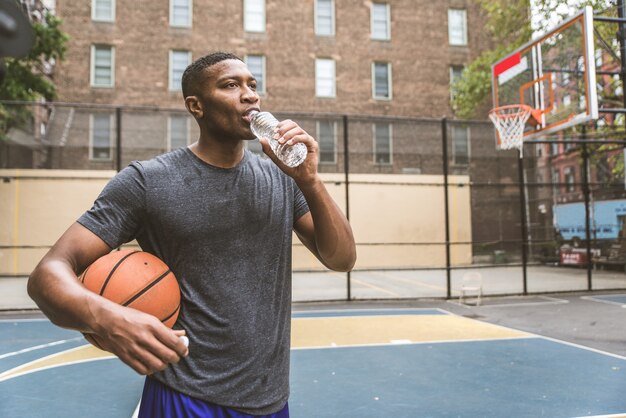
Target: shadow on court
x,y
510,357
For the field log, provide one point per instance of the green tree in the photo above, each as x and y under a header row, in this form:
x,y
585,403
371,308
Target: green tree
x,y
510,24
27,78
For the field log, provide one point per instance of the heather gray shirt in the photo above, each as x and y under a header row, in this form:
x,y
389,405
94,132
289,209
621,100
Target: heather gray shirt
x,y
226,235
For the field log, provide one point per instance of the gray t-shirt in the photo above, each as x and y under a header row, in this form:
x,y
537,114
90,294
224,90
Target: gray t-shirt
x,y
226,235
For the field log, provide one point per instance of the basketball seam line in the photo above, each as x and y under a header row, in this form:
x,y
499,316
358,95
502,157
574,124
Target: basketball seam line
x,y
84,275
145,289
171,315
106,282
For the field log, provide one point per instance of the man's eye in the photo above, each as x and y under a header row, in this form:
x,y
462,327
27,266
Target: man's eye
x,y
253,86
231,85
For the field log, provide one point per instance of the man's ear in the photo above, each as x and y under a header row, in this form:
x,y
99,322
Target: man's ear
x,y
194,106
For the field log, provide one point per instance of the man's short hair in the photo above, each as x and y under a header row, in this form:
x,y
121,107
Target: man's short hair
x,y
191,76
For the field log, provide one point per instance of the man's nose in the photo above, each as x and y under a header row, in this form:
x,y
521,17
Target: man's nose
x,y
249,95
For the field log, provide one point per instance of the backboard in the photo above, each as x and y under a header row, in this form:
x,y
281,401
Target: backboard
x,y
554,74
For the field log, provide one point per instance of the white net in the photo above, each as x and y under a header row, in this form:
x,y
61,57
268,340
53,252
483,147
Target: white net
x,y
510,121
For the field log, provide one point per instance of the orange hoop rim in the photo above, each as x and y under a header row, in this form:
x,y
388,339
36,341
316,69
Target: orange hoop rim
x,y
521,108
535,114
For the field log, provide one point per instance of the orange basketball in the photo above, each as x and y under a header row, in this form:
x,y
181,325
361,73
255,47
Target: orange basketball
x,y
135,279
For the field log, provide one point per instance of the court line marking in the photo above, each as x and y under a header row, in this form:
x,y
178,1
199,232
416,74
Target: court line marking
x,y
38,347
536,335
609,302
8,374
416,283
530,335
361,310
136,412
26,320
621,415
374,287
392,344
575,345
552,301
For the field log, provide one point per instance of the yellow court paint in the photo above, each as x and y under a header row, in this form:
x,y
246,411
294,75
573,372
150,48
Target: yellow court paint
x,y
363,330
75,355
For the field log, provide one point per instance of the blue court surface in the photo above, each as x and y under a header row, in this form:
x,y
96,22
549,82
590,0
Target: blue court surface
x,y
612,298
348,363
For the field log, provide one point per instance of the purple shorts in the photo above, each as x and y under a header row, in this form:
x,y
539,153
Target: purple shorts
x,y
159,401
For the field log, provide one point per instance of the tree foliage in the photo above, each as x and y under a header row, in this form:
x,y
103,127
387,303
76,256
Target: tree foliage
x,y
28,78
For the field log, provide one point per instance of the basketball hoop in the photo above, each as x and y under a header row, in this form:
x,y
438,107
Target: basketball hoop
x,y
509,121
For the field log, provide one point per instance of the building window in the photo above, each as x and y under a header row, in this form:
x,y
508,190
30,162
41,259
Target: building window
x,y
181,13
457,26
460,145
256,65
178,132
381,80
556,180
570,179
380,21
456,71
382,143
324,77
103,10
254,15
554,148
100,138
327,140
325,17
102,66
179,60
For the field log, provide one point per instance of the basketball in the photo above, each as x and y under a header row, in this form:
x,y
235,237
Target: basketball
x,y
135,279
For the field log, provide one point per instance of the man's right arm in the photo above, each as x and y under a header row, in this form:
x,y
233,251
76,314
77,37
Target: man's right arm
x,y
138,339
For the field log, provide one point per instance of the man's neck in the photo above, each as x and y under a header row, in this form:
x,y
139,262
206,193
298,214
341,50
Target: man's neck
x,y
217,153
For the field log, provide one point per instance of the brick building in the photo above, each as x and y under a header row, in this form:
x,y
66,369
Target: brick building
x,y
393,60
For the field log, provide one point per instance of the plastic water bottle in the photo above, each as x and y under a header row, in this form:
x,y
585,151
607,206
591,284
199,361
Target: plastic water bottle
x,y
262,125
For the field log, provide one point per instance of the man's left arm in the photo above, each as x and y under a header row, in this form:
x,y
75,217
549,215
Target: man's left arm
x,y
324,230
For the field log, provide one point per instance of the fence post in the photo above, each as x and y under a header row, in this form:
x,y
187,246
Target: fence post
x,y
346,170
118,139
587,211
444,145
522,194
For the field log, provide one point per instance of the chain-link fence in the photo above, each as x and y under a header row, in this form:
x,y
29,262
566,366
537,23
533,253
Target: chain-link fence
x,y
429,199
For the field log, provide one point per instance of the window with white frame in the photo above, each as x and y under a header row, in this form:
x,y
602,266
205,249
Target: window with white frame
x,y
179,60
457,26
456,71
101,136
181,13
380,21
102,66
325,17
256,65
381,80
460,145
254,15
327,140
178,132
103,10
382,143
324,77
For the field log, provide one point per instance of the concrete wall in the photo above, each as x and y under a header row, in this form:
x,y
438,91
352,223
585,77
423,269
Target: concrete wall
x,y
398,220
